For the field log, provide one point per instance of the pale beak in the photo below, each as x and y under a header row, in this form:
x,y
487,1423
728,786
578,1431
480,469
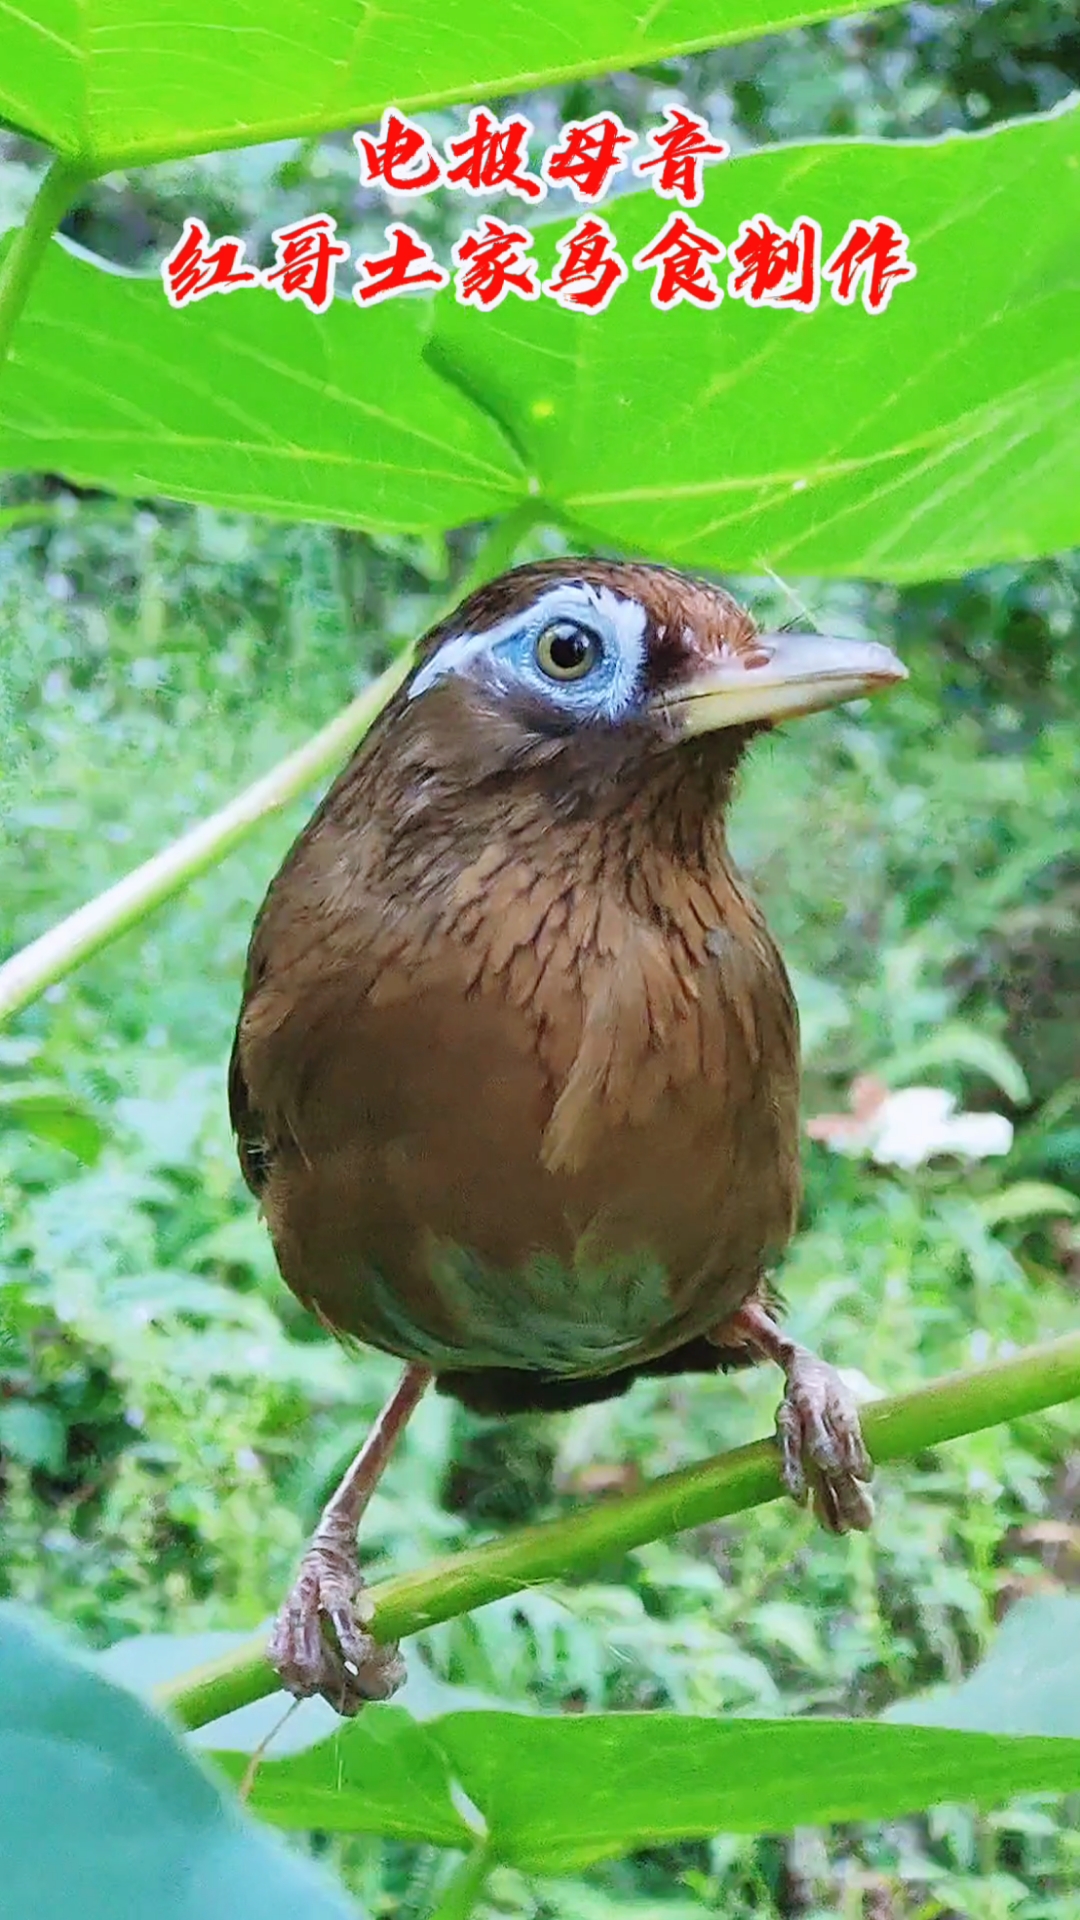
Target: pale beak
x,y
794,673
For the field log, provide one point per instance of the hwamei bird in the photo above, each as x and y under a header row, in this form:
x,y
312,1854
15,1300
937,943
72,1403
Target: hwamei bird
x,y
516,1075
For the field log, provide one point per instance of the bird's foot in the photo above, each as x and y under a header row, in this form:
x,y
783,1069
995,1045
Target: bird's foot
x,y
319,1643
822,1453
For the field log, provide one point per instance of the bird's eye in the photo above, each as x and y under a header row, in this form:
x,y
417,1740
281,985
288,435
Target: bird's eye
x,y
565,651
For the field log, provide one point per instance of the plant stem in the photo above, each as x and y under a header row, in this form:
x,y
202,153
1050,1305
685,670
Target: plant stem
x,y
728,1483
466,1882
26,975
55,194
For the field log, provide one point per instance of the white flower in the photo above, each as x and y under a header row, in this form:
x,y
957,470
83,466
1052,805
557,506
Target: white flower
x,y
919,1122
908,1128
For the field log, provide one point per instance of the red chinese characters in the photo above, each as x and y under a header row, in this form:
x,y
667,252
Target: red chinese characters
x,y
493,157
194,268
681,254
402,159
589,270
681,149
776,268
409,267
768,265
874,252
491,263
307,257
587,156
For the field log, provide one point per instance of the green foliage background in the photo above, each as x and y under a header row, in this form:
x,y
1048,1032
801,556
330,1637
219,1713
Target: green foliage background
x,y
169,1418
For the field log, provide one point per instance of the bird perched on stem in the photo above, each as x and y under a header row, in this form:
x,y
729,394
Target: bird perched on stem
x,y
516,1074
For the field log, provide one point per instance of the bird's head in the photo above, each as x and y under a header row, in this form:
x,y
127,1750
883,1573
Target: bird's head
x,y
579,674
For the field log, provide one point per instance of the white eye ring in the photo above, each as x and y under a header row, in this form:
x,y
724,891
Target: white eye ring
x,y
621,620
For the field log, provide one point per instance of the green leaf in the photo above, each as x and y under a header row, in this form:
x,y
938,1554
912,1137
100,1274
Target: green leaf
x,y
559,1794
1029,1200
250,403
389,1771
102,1812
555,1793
672,433
939,435
124,82
956,1045
51,1113
1029,1683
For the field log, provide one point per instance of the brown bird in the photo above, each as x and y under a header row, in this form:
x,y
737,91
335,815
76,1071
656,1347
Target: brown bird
x,y
516,1075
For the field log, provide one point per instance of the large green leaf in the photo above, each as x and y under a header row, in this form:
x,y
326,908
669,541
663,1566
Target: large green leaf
x,y
555,1794
562,1793
103,1814
941,434
123,82
248,402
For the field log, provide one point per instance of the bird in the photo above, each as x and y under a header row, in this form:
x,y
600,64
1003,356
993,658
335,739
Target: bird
x,y
515,1078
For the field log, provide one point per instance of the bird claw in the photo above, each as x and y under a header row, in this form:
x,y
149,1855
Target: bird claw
x,y
822,1454
318,1644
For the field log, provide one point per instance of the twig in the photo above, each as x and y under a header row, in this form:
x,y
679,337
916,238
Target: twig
x,y
728,1483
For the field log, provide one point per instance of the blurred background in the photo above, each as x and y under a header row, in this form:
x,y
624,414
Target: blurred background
x,y
170,1419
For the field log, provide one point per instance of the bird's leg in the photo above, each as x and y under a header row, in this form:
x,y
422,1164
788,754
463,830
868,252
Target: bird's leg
x,y
822,1454
319,1642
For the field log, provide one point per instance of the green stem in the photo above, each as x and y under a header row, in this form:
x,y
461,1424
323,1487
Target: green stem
x,y
466,1883
27,974
960,1403
22,259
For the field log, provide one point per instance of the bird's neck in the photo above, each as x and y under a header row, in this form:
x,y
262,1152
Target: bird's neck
x,y
650,837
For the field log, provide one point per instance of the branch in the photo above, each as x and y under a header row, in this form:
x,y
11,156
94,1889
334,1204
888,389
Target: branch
x,y
959,1404
26,975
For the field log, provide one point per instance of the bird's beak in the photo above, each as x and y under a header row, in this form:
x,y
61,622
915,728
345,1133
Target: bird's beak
x,y
781,676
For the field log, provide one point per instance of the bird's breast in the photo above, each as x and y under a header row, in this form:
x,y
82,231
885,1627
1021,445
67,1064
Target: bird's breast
x,y
564,1180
